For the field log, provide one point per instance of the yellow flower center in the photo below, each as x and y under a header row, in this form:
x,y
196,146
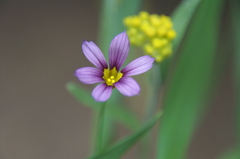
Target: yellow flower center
x,y
111,76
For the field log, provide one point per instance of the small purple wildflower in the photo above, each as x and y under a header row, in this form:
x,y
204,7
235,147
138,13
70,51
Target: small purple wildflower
x,y
112,76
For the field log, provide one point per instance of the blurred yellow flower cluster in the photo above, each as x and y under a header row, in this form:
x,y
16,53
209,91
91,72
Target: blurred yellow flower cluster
x,y
152,32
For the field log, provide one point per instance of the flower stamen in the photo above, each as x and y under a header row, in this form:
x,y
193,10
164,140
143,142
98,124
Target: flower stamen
x,y
111,76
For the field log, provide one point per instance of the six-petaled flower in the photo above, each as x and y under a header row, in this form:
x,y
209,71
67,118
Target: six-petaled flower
x,y
112,76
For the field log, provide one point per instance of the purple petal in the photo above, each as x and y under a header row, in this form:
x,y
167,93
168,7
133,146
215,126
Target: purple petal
x,y
127,86
89,75
118,50
94,54
138,66
102,92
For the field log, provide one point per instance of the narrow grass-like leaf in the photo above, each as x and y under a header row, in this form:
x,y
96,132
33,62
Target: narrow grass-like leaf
x,y
232,154
123,115
115,110
118,150
111,16
111,21
190,83
81,94
235,18
181,17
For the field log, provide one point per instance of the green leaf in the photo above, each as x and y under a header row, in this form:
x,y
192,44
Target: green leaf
x,y
111,16
81,94
190,84
181,18
113,12
123,115
232,154
114,109
235,19
117,150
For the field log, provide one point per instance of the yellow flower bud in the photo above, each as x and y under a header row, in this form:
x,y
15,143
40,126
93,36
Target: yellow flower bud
x,y
153,33
159,58
127,21
155,20
132,31
157,42
162,31
143,15
166,51
136,21
150,31
171,34
148,49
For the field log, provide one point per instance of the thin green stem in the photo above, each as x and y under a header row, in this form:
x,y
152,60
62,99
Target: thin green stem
x,y
99,135
154,85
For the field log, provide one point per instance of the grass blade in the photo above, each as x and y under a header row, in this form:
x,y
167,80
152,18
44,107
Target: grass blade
x,y
232,154
181,18
113,12
235,18
190,83
125,144
115,110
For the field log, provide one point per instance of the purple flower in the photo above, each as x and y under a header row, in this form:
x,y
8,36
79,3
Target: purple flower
x,y
111,75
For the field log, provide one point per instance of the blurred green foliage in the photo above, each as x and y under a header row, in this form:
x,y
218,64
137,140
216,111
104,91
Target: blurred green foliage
x,y
190,82
121,147
187,78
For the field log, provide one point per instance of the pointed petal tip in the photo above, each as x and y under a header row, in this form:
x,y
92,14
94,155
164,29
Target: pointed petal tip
x,y
89,44
138,66
94,54
118,51
124,32
150,57
84,42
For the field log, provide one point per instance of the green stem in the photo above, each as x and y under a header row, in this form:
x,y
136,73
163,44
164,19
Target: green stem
x,y
154,85
99,135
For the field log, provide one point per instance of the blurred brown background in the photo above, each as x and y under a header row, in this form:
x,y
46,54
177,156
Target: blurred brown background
x,y
40,49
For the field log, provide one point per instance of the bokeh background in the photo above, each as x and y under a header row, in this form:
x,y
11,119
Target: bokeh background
x,y
40,49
